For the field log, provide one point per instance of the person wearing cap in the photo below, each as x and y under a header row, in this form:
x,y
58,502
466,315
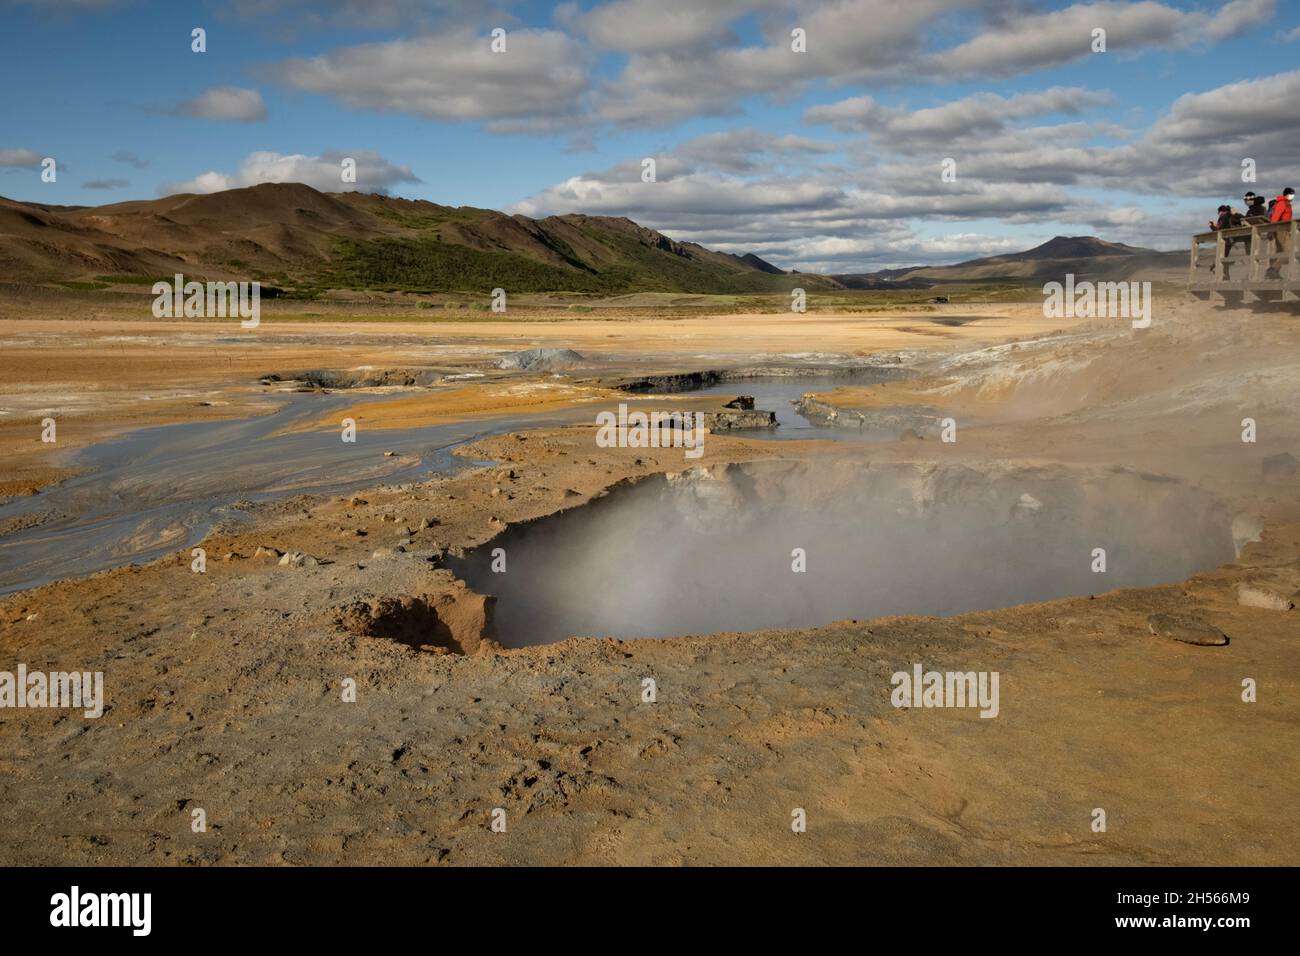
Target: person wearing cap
x,y
1282,206
1227,220
1281,213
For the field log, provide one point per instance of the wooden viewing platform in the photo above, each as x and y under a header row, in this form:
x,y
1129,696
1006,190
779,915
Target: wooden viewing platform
x,y
1251,263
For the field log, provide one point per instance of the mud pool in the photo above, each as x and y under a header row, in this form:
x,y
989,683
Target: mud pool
x,y
716,549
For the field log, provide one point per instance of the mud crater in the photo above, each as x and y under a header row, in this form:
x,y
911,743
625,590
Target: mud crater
x,y
715,549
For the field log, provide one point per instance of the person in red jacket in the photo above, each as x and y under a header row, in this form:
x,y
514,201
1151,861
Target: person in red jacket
x,y
1281,213
1282,206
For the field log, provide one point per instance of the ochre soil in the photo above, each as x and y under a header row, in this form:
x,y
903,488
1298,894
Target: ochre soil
x,y
226,689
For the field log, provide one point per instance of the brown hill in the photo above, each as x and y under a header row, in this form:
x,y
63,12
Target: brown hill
x,y
292,235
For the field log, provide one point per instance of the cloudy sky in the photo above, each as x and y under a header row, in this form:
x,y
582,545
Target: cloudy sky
x,y
828,158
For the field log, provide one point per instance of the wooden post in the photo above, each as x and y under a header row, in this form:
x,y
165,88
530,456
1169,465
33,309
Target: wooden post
x,y
1295,252
1256,247
1220,254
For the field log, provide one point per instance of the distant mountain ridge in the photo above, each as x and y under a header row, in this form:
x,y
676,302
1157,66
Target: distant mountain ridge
x,y
1087,257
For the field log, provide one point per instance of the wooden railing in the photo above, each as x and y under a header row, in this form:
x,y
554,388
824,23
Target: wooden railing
x,y
1252,263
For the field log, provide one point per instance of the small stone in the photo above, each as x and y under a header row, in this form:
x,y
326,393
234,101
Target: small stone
x,y
357,502
267,552
429,523
1186,628
1261,596
390,454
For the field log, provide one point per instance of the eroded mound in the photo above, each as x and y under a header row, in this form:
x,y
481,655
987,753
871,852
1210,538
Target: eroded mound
x,y
459,623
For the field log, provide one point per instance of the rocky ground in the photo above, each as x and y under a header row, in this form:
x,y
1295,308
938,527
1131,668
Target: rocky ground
x,y
229,691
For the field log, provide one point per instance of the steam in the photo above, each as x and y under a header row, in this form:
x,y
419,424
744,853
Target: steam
x,y
715,549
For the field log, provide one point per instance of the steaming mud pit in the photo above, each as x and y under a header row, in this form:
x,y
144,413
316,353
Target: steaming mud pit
x,y
793,544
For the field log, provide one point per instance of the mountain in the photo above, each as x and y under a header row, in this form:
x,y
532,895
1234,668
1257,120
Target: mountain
x,y
1087,257
761,264
298,239
292,236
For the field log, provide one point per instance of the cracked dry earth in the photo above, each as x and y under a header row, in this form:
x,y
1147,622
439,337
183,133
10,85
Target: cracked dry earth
x,y
225,690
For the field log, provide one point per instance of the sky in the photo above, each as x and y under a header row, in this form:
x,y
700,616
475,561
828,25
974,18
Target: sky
x,y
900,133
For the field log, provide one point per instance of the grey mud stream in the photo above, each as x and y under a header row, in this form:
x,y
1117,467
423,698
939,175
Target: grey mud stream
x,y
158,490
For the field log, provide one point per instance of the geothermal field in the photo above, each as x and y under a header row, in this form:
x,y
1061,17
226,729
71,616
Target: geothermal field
x,y
686,438
367,651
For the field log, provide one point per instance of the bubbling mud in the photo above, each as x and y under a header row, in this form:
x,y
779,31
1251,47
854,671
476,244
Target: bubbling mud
x,y
792,544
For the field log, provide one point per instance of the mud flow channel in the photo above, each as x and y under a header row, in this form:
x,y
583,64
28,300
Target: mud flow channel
x,y
718,549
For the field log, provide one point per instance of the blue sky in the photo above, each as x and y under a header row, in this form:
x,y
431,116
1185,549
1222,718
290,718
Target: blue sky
x,y
826,159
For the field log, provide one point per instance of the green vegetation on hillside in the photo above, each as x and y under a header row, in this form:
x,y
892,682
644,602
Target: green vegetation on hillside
x,y
427,265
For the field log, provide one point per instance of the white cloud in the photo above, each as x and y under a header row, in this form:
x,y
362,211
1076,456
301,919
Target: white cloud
x,y
749,150
982,113
20,157
790,200
454,75
1020,43
644,26
374,173
225,103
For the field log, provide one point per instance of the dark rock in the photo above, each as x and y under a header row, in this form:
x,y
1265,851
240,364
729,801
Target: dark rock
x,y
1186,628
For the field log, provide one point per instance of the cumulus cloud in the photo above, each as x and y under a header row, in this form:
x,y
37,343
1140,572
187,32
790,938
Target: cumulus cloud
x,y
374,173
1019,43
750,150
683,58
708,71
740,202
20,157
225,103
980,113
643,26
453,75
791,200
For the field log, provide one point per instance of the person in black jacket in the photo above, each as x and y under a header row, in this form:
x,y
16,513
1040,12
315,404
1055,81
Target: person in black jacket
x,y
1255,206
1228,219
